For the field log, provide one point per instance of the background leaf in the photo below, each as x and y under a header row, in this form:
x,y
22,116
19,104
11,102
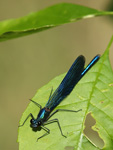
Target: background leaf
x,y
45,19
94,94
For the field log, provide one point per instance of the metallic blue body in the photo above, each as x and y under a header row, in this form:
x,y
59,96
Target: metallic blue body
x,y
95,59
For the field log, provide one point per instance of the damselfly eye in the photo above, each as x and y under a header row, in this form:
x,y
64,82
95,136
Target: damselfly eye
x,y
31,121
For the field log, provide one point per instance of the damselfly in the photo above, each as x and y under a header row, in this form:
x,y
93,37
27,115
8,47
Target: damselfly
x,y
75,73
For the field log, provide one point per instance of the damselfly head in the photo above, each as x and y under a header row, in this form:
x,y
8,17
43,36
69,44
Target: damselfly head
x,y
35,123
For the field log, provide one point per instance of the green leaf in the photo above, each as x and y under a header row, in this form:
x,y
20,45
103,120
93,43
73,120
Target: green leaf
x,y
93,94
45,19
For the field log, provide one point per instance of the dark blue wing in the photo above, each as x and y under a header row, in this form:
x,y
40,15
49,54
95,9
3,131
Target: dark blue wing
x,y
68,83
